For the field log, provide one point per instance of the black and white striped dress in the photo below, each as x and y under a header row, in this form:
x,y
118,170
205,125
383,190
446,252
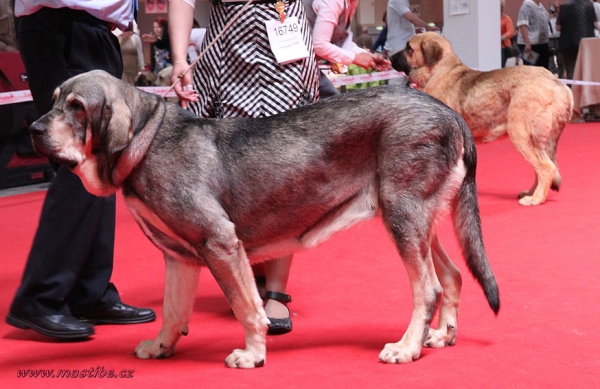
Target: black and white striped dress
x,y
239,75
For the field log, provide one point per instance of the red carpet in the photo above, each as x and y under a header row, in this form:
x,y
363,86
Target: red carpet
x,y
351,296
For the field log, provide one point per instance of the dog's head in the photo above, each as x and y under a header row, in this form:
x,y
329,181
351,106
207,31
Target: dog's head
x,y
91,127
164,77
145,79
422,54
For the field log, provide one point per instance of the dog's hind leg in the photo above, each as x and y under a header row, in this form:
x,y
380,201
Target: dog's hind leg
x,y
551,146
532,146
451,280
409,226
181,282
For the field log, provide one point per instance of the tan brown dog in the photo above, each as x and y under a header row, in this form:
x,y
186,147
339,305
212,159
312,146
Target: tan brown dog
x,y
526,103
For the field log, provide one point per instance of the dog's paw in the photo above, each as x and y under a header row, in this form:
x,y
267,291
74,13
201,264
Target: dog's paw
x,y
529,201
441,337
244,359
150,349
397,353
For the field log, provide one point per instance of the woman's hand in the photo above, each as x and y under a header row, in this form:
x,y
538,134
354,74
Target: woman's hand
x,y
184,88
381,64
371,61
149,38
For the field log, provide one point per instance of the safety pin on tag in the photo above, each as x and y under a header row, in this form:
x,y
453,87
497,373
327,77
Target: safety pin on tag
x,y
280,8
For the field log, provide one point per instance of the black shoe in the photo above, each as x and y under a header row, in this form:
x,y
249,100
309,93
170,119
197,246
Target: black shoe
x,y
279,326
119,314
54,326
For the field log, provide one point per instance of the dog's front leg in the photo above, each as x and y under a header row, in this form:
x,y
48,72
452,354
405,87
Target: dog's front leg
x,y
451,280
227,260
181,282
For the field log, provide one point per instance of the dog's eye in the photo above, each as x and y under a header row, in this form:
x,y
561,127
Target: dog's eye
x,y
408,49
75,105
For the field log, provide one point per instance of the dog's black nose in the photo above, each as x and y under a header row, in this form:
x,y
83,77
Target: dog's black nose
x,y
37,129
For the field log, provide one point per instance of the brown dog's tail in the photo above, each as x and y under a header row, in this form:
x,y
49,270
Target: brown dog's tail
x,y
467,225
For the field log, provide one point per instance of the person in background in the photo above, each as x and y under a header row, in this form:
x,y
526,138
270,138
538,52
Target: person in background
x,y
242,77
364,40
556,64
330,21
576,20
379,45
133,55
401,27
160,46
66,285
534,32
8,40
507,31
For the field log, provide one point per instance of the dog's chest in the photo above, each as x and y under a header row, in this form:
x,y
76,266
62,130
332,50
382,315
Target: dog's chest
x,y
159,232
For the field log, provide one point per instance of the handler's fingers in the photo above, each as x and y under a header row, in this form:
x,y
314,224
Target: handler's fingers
x,y
182,81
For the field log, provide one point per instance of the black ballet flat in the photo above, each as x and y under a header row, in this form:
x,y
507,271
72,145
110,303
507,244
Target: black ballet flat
x,y
279,326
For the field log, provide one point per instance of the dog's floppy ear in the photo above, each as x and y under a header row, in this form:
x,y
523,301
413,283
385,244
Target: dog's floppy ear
x,y
117,130
432,52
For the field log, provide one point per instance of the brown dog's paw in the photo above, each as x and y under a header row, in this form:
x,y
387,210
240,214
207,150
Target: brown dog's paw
x,y
529,201
150,349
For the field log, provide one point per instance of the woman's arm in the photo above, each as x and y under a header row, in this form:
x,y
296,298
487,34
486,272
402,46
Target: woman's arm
x,y
328,13
181,17
525,34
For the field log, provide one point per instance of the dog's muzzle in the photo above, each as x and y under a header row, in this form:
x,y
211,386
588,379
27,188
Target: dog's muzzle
x,y
399,62
44,146
37,129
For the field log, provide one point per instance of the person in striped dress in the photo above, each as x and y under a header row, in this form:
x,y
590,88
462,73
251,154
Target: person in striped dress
x,y
239,76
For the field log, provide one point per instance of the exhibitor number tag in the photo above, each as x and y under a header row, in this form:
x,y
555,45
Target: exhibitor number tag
x,y
286,41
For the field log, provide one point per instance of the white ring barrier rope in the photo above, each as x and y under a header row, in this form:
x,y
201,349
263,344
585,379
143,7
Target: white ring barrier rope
x,y
165,91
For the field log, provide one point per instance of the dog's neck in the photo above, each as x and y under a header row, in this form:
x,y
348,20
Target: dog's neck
x,y
137,149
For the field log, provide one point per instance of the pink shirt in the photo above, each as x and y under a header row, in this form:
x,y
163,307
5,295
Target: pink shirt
x,y
328,13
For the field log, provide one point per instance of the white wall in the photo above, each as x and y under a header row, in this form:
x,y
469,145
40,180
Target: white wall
x,y
475,36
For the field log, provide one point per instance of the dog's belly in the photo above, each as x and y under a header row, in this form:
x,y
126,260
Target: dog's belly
x,y
487,132
362,206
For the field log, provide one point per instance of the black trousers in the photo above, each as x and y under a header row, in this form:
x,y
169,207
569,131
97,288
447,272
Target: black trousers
x,y
569,57
70,263
326,88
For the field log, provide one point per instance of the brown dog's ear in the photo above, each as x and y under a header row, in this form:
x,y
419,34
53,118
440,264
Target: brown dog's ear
x,y
432,52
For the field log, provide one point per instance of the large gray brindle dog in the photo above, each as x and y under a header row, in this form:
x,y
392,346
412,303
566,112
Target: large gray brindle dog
x,y
225,193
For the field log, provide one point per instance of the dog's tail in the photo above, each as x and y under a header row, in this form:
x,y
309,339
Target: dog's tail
x,y
467,225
